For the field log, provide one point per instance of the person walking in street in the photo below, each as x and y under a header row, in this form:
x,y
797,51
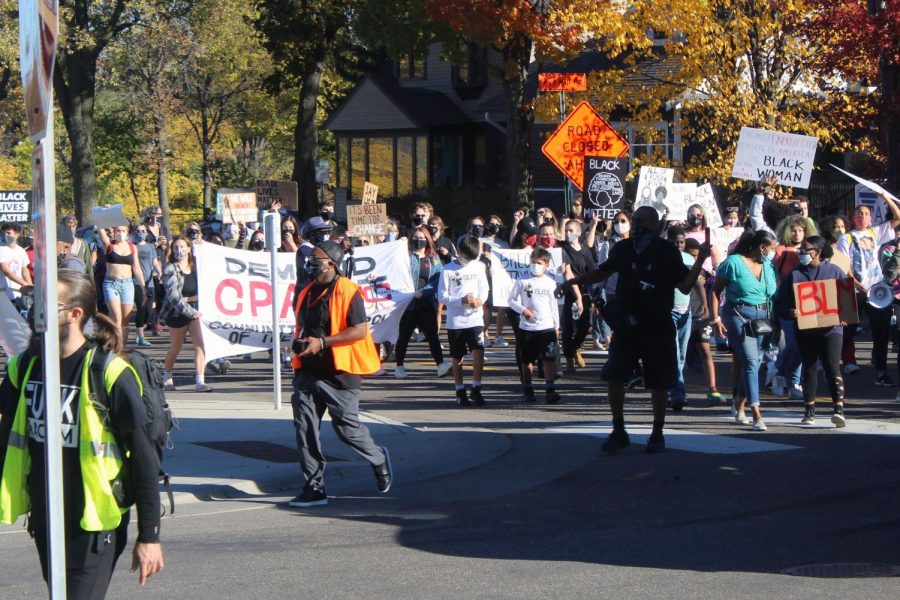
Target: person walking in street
x,y
332,350
145,297
123,273
96,516
576,314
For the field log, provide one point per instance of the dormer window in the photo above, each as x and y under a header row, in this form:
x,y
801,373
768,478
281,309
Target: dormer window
x,y
410,66
470,73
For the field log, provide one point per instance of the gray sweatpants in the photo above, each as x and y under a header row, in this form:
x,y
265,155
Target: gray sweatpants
x,y
310,399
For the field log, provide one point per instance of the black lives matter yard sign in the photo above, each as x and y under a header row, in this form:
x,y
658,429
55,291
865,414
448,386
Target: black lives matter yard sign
x,y
604,186
15,206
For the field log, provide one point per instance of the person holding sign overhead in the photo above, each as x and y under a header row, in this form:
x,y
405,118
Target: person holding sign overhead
x,y
123,272
820,343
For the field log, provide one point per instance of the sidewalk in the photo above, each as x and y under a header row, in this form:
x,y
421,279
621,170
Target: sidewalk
x,y
233,444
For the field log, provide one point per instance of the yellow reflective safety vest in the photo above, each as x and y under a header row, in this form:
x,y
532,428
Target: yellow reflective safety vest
x,y
99,454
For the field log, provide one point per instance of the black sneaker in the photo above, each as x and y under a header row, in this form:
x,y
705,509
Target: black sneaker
x,y
462,399
838,417
477,398
678,404
311,496
656,443
553,397
809,415
529,395
384,473
617,440
885,381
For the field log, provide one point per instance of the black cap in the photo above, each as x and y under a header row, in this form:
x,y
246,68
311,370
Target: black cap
x,y
64,235
527,226
334,251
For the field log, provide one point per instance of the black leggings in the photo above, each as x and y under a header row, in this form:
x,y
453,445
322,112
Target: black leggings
x,y
422,314
827,349
143,306
879,325
575,332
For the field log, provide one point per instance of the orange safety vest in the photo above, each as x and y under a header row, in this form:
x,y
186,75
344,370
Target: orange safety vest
x,y
358,358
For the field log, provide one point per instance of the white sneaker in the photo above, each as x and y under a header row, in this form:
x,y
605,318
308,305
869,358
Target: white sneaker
x,y
851,368
417,336
739,416
487,342
759,425
779,386
444,368
499,342
400,373
795,393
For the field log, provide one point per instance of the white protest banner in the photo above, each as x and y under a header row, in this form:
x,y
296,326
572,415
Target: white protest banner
x,y
15,206
786,156
236,206
704,196
869,184
653,188
106,217
236,295
507,266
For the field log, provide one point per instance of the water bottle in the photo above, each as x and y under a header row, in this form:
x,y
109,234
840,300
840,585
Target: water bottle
x,y
575,313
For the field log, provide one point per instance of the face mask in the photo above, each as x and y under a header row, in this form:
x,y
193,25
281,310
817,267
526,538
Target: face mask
x,y
805,259
121,237
571,237
152,220
769,257
493,229
622,228
419,244
326,215
434,231
537,269
193,234
390,236
548,241
478,230
179,254
862,222
9,239
313,268
531,240
732,223
642,239
419,219
837,233
257,245
142,237
695,221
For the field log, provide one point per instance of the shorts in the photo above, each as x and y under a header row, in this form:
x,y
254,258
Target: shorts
x,y
121,290
701,331
657,354
538,344
463,341
179,321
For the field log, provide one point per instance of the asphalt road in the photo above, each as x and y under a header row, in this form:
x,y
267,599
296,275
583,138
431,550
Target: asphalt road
x,y
795,512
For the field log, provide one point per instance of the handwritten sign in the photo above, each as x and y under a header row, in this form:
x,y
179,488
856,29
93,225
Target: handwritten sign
x,y
604,186
272,190
653,188
825,303
236,207
786,156
706,198
367,219
370,193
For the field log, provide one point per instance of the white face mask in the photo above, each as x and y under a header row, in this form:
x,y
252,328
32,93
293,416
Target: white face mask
x,y
622,228
571,237
537,269
121,236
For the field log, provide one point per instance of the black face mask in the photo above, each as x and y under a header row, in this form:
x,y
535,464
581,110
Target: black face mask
x,y
695,221
493,229
313,268
434,231
193,234
257,245
419,219
326,215
317,237
478,230
419,244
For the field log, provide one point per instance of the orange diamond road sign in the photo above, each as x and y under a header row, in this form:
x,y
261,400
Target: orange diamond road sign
x,y
584,132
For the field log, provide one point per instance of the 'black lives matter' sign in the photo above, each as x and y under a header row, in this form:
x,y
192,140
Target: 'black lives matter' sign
x,y
604,186
15,206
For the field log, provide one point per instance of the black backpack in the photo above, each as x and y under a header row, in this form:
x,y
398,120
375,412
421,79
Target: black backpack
x,y
161,419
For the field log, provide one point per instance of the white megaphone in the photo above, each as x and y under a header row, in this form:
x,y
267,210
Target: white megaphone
x,y
881,295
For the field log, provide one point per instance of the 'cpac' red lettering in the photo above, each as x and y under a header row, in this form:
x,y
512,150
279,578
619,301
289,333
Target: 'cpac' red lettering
x,y
260,296
229,284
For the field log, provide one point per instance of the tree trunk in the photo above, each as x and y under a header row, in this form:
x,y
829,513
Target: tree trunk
x,y
890,90
519,120
205,150
74,81
162,168
306,142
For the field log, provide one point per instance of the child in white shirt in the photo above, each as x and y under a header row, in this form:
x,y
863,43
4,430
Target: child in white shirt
x,y
463,290
534,299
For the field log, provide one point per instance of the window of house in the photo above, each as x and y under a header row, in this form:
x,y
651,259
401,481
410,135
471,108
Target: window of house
x,y
343,162
422,180
357,166
381,165
647,139
405,166
471,70
446,157
411,66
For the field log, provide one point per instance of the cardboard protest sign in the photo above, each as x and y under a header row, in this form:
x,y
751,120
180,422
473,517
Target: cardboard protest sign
x,y
825,303
237,303
15,206
604,186
271,190
653,187
236,206
705,197
508,266
786,156
107,217
367,219
869,184
678,200
370,193
38,35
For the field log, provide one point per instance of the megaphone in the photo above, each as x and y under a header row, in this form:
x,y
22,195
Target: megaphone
x,y
881,295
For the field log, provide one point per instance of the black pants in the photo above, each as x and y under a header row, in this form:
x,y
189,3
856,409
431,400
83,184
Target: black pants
x,y
420,313
575,332
879,325
90,560
143,306
827,349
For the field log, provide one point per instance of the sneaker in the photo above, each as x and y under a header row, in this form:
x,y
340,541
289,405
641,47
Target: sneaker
x,y
759,425
579,359
213,368
143,342
462,399
529,395
400,372
417,337
570,366
677,404
809,415
716,398
487,342
739,416
598,345
384,473
851,369
379,373
838,417
311,496
795,393
656,443
169,387
499,342
617,440
202,387
779,386
477,398
444,368
885,381
553,397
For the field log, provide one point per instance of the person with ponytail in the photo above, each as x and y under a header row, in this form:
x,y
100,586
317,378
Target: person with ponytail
x,y
180,311
748,280
96,517
821,343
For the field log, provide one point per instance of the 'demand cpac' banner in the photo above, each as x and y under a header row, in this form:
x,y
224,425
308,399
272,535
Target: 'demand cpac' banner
x,y
236,295
507,266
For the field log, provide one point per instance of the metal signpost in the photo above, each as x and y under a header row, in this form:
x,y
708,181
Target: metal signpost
x,y
271,221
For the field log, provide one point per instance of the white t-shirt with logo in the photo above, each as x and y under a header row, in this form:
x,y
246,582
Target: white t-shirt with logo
x,y
16,259
457,282
537,295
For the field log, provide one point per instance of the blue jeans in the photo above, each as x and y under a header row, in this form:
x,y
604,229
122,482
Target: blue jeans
x,y
682,322
119,289
601,328
748,349
788,364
